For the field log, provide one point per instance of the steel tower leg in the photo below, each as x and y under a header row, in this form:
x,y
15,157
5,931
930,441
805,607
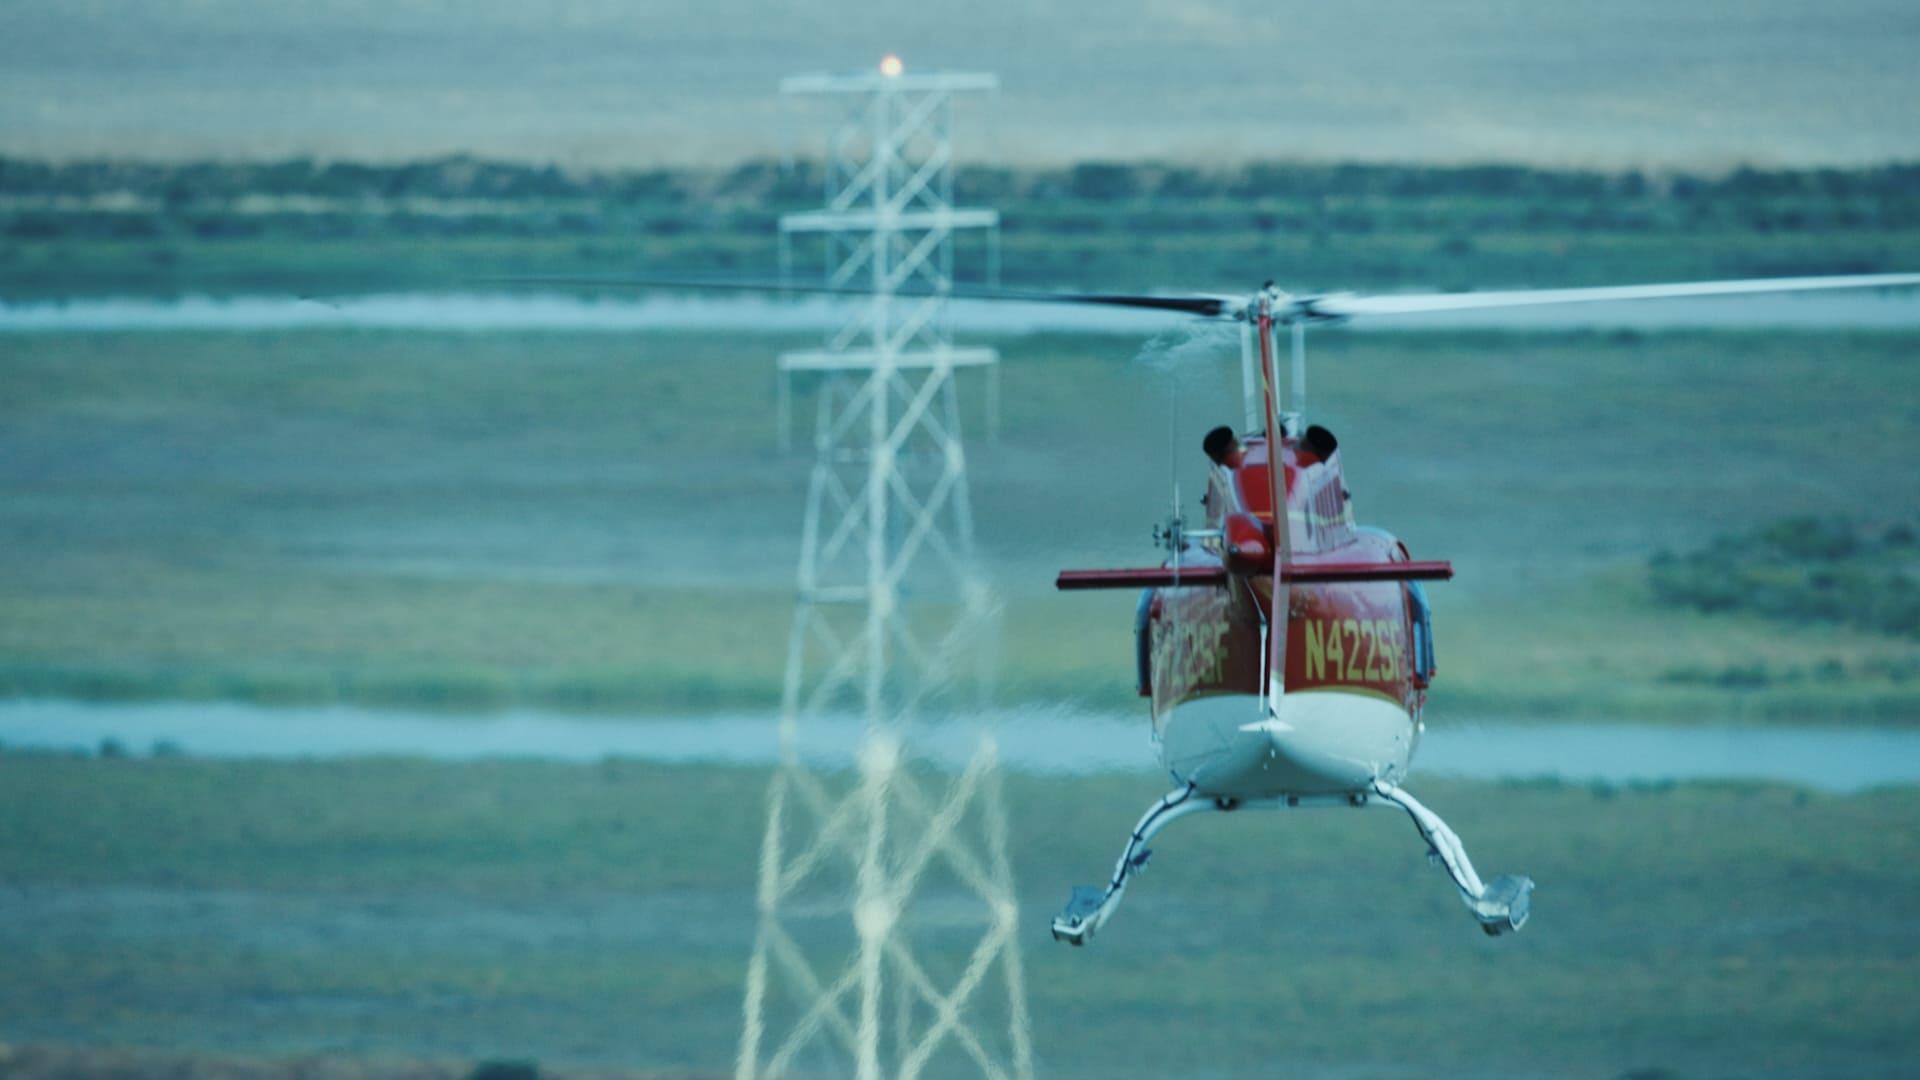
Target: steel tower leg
x,y
838,982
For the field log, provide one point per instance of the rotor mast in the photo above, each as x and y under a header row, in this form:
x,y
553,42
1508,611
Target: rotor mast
x,y
1261,320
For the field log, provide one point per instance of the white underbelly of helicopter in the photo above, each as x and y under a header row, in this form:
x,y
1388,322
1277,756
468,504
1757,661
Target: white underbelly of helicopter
x,y
1320,742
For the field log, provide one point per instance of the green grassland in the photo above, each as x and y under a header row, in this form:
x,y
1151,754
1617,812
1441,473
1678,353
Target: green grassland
x,y
127,228
1799,568
603,520
599,521
1049,253
604,914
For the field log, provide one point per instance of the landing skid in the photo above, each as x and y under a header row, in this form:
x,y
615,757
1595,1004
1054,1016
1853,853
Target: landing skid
x,y
1501,905
1090,906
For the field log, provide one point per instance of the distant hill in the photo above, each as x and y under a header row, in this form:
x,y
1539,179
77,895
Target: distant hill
x,y
1875,191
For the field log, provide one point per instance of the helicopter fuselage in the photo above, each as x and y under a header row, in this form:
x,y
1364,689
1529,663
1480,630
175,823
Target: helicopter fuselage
x,y
1357,654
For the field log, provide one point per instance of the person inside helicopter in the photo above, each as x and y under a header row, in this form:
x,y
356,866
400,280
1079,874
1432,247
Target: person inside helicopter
x,y
1223,447
1316,446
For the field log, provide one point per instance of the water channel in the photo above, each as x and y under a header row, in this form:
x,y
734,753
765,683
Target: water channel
x,y
1035,740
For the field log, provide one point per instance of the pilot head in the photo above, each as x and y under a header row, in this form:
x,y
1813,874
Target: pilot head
x,y
1317,445
1223,447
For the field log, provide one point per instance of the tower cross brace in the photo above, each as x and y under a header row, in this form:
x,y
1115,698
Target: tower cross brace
x,y
890,606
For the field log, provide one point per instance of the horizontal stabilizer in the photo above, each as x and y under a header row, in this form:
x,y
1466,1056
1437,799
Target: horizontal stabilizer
x,y
1142,577
1167,577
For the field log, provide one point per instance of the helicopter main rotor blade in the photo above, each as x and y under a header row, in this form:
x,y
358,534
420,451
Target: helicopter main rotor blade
x,y
1193,304
1340,306
1331,306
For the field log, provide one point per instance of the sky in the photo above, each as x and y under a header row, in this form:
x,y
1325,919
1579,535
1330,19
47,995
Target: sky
x,y
1701,84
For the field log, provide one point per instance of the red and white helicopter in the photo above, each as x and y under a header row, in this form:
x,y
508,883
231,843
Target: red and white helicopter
x,y
1321,707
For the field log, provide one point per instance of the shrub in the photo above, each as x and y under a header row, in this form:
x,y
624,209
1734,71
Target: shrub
x,y
1802,568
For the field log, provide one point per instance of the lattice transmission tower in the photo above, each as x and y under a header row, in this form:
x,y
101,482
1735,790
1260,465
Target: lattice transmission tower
x,y
846,976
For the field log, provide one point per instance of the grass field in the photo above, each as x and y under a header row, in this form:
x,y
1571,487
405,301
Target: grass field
x,y
1095,246
604,914
602,521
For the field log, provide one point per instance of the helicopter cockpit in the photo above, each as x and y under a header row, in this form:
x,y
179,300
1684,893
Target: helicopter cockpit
x,y
1319,515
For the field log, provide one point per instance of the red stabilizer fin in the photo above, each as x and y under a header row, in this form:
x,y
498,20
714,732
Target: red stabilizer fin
x,y
1144,577
1166,577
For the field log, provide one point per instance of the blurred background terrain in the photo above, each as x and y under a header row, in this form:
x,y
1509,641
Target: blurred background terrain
x,y
319,518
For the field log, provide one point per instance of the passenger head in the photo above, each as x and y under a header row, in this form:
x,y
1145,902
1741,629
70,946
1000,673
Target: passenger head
x,y
1222,446
1319,442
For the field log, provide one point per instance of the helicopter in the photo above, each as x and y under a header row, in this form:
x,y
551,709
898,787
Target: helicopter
x,y
1319,706
1285,650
